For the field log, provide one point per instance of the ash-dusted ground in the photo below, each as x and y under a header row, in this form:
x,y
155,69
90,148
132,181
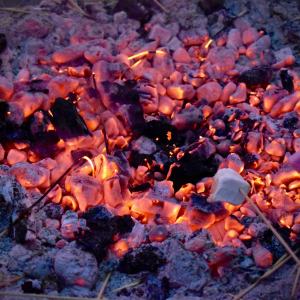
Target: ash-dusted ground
x,y
185,265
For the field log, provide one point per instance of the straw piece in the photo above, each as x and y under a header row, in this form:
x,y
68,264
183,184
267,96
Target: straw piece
x,y
104,285
162,7
41,296
126,286
78,8
267,274
281,240
15,10
295,282
11,280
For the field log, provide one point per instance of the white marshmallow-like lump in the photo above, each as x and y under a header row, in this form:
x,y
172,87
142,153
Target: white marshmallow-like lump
x,y
225,187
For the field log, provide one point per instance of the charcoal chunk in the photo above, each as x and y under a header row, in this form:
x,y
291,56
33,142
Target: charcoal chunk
x,y
211,6
194,170
291,120
257,76
202,150
3,42
53,210
96,214
123,100
271,243
287,81
202,213
44,144
156,289
161,131
103,226
138,10
142,258
249,160
67,122
32,286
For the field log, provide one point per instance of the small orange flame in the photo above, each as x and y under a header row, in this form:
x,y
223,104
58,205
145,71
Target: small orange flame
x,y
208,43
91,163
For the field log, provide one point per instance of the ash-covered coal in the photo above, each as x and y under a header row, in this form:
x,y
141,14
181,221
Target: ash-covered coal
x,y
123,100
102,228
142,258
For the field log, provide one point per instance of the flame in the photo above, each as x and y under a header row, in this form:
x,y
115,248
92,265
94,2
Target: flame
x,y
120,248
169,135
91,163
8,112
147,52
139,54
208,43
137,63
50,113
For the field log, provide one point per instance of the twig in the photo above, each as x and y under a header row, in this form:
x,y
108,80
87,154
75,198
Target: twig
x,y
104,285
11,280
126,286
101,115
162,7
41,296
295,282
267,274
234,18
15,10
78,8
281,240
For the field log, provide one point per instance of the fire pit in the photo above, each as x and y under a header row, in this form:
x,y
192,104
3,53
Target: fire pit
x,y
145,148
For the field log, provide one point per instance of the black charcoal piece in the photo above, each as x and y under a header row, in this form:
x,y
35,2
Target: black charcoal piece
x,y
140,188
250,160
161,132
19,231
78,154
287,81
3,42
122,224
191,171
202,150
103,226
271,243
96,214
32,287
142,258
210,6
53,210
138,10
44,144
257,76
155,288
123,100
291,120
202,213
67,122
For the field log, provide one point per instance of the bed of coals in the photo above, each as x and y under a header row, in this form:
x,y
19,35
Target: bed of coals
x,y
160,112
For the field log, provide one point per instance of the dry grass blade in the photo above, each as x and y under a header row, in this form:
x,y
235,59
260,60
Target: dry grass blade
x,y
11,280
126,286
267,274
162,7
78,8
104,285
281,240
15,10
41,296
295,282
